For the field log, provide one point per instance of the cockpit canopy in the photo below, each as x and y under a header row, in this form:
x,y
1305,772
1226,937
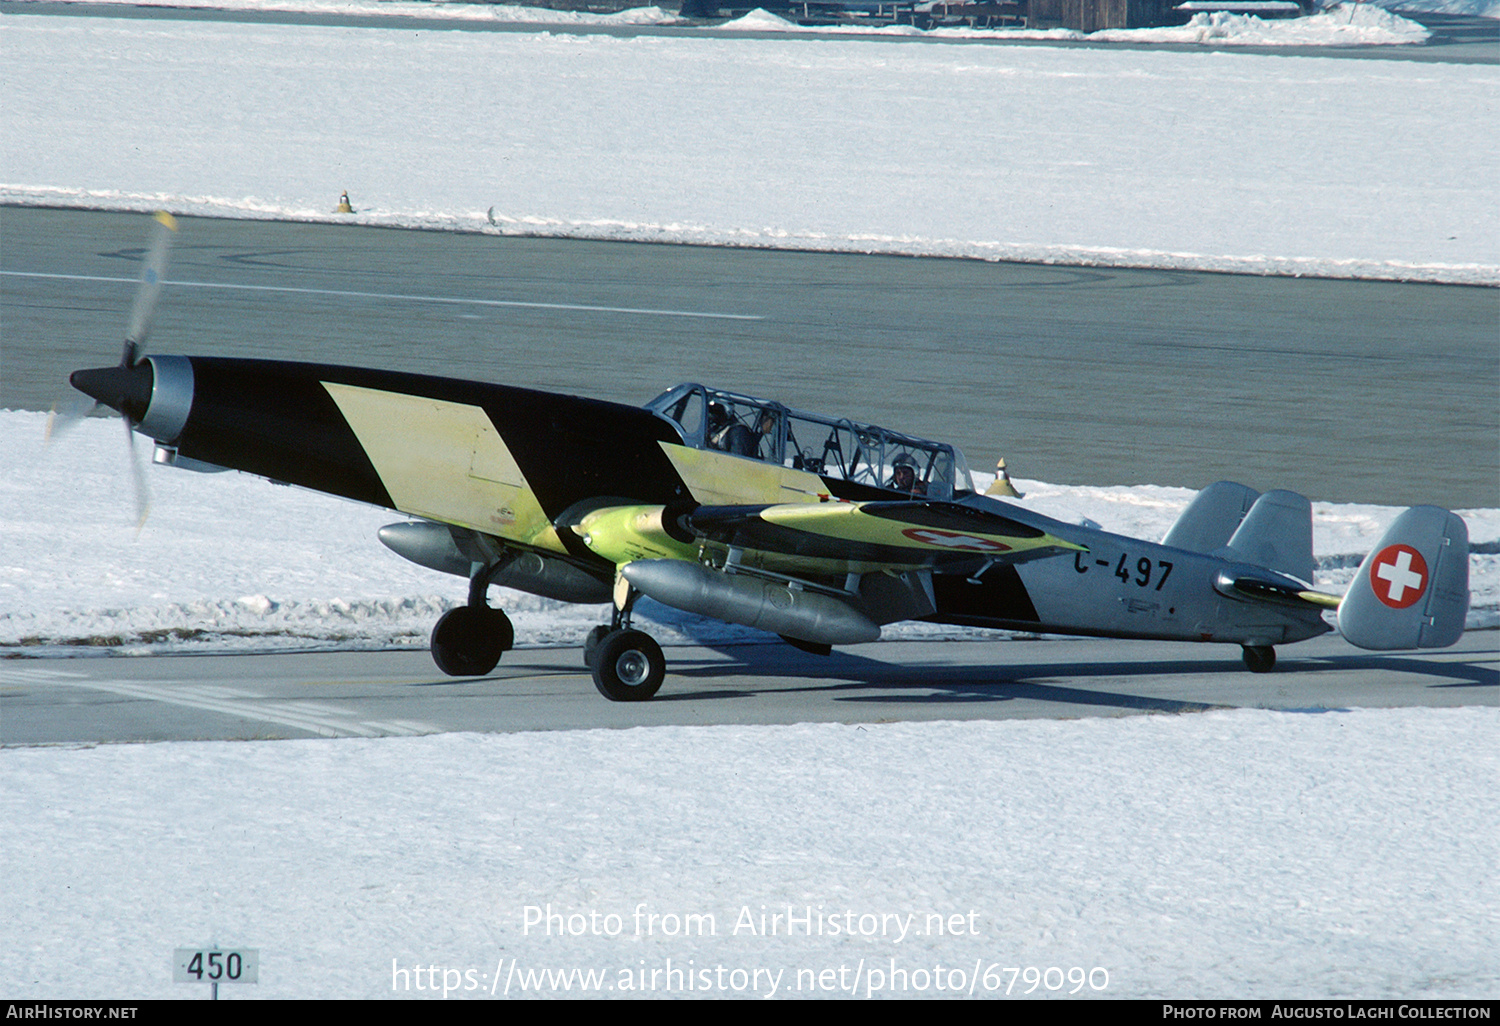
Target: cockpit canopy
x,y
761,429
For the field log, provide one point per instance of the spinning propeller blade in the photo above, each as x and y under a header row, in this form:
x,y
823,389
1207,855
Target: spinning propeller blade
x,y
153,273
126,387
138,479
65,415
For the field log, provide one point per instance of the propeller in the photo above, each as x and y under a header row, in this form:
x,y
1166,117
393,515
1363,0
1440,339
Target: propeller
x,y
153,272
126,387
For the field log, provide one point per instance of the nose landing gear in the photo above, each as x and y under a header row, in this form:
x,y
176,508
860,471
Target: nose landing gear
x,y
628,664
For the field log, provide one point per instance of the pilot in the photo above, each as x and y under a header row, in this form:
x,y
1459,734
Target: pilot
x,y
730,435
904,476
719,423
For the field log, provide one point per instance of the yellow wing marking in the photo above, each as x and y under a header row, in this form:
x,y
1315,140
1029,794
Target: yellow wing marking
x,y
849,522
721,479
444,461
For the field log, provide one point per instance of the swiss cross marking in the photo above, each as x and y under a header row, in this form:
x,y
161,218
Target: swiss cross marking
x,y
953,540
1398,576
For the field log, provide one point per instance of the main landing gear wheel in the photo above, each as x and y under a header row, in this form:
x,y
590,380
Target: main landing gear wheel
x,y
1259,658
628,666
469,640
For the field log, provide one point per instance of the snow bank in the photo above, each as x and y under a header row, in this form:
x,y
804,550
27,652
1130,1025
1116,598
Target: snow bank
x,y
1341,25
1181,160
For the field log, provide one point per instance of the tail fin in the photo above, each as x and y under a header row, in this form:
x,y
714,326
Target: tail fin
x,y
1276,534
1212,518
1412,590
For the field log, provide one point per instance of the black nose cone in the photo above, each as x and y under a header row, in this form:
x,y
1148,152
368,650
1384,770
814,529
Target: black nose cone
x,y
127,389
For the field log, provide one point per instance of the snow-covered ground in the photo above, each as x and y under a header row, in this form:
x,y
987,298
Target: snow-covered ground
x,y
1231,854
1205,160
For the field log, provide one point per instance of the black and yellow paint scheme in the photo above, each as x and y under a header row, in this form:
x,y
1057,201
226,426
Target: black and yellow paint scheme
x,y
510,480
816,528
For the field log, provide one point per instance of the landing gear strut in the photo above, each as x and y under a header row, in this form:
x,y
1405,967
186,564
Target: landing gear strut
x,y
628,664
468,641
1259,658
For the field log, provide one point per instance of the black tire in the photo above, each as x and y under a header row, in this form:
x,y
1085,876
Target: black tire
x,y
628,666
1259,658
591,643
469,640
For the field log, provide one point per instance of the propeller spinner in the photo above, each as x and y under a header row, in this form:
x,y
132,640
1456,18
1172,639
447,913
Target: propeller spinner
x,y
127,387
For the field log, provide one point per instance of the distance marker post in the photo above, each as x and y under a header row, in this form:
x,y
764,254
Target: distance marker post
x,y
214,966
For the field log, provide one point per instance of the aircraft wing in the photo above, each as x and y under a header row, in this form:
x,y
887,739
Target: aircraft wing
x,y
860,537
818,573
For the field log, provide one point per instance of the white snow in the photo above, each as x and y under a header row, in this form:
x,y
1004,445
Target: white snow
x,y
1202,160
1229,854
1345,24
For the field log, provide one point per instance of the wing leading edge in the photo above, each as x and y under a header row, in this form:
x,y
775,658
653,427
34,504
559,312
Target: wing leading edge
x,y
862,537
809,540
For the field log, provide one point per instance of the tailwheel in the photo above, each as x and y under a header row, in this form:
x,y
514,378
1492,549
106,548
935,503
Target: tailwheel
x,y
591,643
628,666
1259,658
469,640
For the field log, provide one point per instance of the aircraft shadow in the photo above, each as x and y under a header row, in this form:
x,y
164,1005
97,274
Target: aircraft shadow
x,y
851,678
1454,675
948,684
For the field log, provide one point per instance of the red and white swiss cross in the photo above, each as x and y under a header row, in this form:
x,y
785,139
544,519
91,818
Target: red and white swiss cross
x,y
1398,576
954,540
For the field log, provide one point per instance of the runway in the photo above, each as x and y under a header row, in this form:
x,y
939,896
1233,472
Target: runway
x,y
1344,390
350,694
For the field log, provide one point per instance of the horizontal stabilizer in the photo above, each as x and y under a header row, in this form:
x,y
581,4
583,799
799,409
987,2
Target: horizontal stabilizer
x,y
1212,517
1276,534
1412,590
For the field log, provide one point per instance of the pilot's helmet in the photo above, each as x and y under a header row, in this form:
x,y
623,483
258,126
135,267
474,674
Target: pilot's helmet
x,y
718,414
905,460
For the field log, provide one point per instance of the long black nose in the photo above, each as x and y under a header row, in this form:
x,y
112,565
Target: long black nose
x,y
127,389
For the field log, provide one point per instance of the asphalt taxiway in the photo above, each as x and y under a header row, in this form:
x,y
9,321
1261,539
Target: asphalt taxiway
x,y
373,694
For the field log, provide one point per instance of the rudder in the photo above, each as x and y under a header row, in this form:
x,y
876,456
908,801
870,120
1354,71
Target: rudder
x,y
1276,534
1412,590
